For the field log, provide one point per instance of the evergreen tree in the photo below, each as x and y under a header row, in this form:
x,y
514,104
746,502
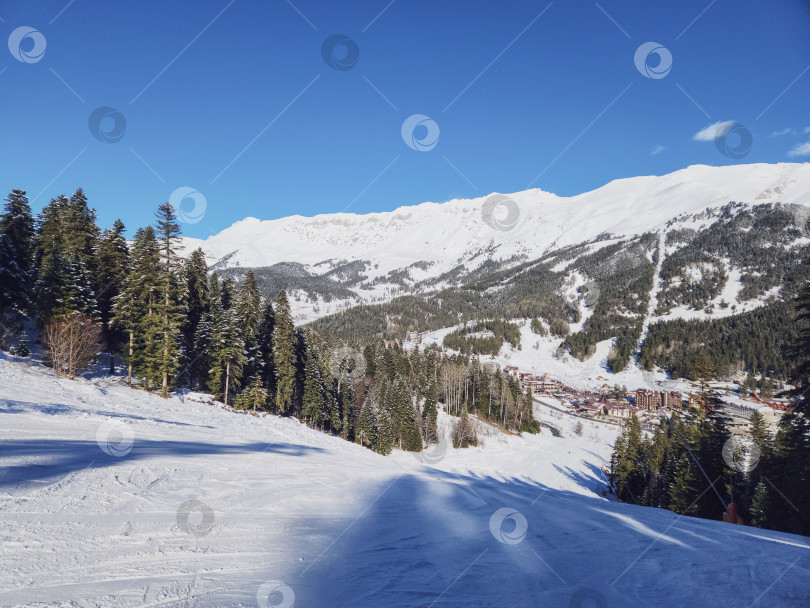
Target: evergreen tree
x,y
167,230
366,431
759,505
196,305
67,235
13,281
284,354
313,400
51,286
430,413
266,364
134,307
248,311
111,270
16,253
225,355
801,350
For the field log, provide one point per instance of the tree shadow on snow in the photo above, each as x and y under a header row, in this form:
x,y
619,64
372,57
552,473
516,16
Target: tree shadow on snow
x,y
50,409
27,463
430,538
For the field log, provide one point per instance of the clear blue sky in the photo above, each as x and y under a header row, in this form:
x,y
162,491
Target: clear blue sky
x,y
516,94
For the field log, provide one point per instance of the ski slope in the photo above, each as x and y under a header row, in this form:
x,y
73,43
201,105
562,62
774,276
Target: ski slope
x,y
114,497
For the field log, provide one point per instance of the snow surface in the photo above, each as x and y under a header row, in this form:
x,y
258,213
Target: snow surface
x,y
96,480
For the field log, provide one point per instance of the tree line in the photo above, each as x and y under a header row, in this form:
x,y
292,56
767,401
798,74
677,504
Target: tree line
x,y
176,325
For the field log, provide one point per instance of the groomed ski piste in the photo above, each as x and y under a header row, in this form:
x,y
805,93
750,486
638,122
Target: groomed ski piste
x,y
115,497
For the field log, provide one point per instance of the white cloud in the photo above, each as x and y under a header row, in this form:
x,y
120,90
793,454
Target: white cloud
x,y
657,149
807,129
714,131
782,132
800,150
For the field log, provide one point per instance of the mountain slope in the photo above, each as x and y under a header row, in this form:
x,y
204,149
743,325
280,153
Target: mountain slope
x,y
114,497
458,232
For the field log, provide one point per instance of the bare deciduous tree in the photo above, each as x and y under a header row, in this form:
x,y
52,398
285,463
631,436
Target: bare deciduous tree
x,y
72,342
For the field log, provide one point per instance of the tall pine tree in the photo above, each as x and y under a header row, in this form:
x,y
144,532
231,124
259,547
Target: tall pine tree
x,y
284,355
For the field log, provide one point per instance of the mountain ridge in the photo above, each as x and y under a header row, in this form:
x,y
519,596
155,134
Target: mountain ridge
x,y
452,230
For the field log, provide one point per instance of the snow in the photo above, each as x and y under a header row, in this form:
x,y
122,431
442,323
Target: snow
x,y
115,497
456,232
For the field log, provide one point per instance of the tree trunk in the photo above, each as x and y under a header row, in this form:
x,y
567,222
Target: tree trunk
x,y
112,363
227,379
129,368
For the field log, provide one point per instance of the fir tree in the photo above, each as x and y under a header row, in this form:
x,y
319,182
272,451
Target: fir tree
x,y
167,230
366,431
16,255
801,350
111,270
225,355
135,304
759,505
313,400
284,355
266,364
248,311
430,412
196,305
13,281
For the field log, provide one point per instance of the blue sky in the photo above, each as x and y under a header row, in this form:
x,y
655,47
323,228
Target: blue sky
x,y
234,99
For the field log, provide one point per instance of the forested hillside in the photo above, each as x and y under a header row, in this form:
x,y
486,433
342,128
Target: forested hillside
x,y
176,325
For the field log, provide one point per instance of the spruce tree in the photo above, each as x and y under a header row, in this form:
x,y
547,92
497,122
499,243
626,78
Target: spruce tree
x,y
266,364
248,311
366,431
225,354
167,230
196,304
134,307
313,400
430,412
111,270
801,350
17,256
759,505
284,354
13,281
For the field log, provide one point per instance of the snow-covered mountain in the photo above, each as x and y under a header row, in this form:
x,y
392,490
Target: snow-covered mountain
x,y
426,240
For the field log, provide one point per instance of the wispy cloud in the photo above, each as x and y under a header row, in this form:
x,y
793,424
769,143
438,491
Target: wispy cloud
x,y
657,149
790,131
800,150
714,131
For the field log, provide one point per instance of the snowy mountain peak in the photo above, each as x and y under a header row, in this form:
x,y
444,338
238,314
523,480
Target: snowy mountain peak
x,y
521,225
